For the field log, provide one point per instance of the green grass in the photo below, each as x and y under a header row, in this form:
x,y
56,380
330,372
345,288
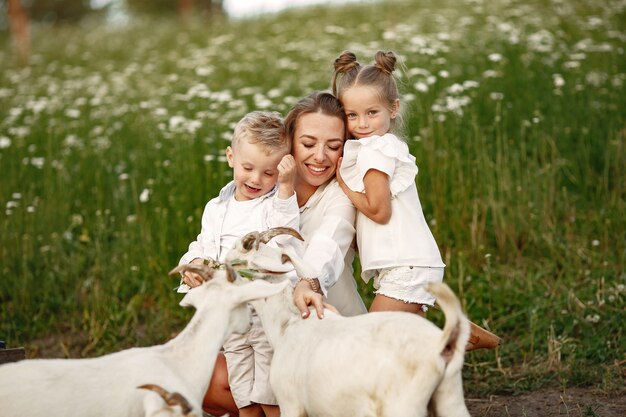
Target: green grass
x,y
515,111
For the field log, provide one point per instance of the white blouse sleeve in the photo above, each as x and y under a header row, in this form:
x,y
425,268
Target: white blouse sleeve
x,y
332,237
387,154
204,246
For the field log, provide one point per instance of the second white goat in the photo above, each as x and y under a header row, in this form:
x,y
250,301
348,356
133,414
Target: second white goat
x,y
107,386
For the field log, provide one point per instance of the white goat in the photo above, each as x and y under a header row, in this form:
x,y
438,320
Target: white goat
x,y
380,364
107,386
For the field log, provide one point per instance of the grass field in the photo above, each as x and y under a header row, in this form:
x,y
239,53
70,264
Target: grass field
x,y
112,141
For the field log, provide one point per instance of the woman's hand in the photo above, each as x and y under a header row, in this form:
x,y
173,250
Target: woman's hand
x,y
304,296
191,278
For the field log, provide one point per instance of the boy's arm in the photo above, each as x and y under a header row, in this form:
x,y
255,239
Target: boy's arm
x,y
204,247
286,177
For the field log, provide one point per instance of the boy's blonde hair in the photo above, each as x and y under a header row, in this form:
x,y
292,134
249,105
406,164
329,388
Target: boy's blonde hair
x,y
264,128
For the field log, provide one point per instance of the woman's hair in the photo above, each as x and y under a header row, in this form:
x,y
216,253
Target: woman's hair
x,y
316,102
349,73
264,128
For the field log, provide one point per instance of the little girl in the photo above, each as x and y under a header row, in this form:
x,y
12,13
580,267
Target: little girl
x,y
377,173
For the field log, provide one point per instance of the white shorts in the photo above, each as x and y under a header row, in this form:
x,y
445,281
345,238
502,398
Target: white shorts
x,y
407,283
248,358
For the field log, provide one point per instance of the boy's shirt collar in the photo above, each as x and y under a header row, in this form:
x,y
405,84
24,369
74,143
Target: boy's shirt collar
x,y
229,189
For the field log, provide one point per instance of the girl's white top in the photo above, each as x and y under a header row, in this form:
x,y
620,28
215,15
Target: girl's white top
x,y
406,240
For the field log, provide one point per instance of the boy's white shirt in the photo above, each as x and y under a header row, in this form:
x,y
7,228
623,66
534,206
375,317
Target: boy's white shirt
x,y
219,221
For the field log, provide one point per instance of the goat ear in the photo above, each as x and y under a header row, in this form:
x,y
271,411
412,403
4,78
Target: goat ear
x,y
190,299
259,289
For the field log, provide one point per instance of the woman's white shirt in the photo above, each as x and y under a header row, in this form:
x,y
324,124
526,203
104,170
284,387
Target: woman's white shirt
x,y
327,225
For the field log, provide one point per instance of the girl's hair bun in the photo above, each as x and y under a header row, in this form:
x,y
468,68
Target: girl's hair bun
x,y
345,62
385,61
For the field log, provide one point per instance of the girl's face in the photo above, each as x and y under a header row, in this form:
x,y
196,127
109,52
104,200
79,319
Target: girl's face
x,y
317,146
367,115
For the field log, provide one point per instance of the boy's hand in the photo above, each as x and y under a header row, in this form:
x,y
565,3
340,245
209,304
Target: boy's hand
x,y
286,177
191,278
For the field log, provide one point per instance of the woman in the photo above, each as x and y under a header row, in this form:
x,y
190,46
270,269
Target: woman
x,y
316,126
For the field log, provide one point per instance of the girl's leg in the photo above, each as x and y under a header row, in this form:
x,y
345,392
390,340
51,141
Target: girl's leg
x,y
218,400
384,303
271,410
253,410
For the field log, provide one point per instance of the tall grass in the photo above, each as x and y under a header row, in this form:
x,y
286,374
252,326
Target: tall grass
x,y
112,141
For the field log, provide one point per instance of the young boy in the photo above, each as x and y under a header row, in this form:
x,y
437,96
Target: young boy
x,y
253,201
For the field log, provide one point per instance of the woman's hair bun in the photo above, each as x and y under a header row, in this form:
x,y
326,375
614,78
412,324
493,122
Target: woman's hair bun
x,y
346,62
385,61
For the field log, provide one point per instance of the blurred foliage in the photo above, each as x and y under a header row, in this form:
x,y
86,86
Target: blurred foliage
x,y
163,7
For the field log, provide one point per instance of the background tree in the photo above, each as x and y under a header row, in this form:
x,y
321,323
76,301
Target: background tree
x,y
20,36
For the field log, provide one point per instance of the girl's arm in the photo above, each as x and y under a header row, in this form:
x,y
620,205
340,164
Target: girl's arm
x,y
375,202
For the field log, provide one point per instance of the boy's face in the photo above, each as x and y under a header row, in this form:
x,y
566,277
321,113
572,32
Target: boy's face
x,y
254,171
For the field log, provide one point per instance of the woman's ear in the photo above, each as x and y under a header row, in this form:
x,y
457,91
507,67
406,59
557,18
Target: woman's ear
x,y
229,156
395,108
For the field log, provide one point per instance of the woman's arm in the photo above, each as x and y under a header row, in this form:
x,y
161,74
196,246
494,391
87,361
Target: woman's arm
x,y
327,225
375,202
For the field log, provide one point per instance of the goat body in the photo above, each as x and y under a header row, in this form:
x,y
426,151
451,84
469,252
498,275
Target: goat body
x,y
379,364
107,386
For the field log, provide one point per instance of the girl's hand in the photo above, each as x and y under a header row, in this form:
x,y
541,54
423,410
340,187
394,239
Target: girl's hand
x,y
286,177
304,296
191,278
340,180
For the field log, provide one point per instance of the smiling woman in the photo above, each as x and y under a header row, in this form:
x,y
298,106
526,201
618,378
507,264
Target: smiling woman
x,y
316,126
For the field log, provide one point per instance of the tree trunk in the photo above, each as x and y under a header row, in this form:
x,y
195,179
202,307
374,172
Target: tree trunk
x,y
18,20
185,9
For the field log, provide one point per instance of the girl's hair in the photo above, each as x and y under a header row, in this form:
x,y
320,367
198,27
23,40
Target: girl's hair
x,y
264,128
316,102
379,75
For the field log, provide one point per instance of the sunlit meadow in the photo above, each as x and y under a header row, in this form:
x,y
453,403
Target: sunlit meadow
x,y
112,141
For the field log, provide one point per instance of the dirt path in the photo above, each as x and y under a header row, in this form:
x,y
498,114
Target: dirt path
x,y
574,402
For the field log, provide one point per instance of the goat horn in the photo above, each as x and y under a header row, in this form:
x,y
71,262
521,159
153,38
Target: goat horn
x,y
271,233
169,398
205,271
248,240
231,275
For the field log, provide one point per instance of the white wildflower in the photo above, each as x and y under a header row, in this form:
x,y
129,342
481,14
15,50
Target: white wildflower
x,y
491,74
495,57
72,113
421,87
144,196
38,162
203,71
558,80
455,88
4,142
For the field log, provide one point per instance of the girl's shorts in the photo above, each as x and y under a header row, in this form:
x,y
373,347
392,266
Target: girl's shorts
x,y
407,283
